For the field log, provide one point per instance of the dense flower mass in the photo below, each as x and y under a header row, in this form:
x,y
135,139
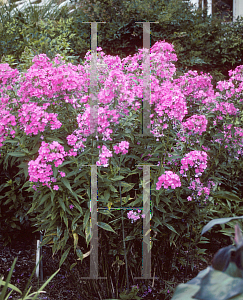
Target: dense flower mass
x,y
232,89
190,98
7,123
103,156
34,118
122,147
195,124
196,88
168,179
196,159
40,170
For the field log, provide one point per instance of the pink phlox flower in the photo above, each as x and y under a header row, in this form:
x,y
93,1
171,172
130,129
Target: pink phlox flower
x,y
168,179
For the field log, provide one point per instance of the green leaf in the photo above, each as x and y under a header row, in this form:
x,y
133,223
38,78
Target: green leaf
x,y
116,178
113,189
107,195
66,183
17,154
78,207
44,198
64,256
157,220
129,237
106,227
60,200
65,220
86,218
79,253
170,227
75,236
227,195
220,286
54,139
185,291
72,266
218,222
127,186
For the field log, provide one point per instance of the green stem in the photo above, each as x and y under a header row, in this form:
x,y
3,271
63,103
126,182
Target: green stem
x,y
123,233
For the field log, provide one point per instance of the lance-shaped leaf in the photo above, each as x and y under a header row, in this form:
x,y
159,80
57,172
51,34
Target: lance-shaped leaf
x,y
217,222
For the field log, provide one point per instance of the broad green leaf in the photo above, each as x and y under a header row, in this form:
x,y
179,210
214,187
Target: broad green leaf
x,y
54,139
76,218
78,207
44,198
157,220
65,220
105,212
185,291
220,286
113,189
82,255
106,227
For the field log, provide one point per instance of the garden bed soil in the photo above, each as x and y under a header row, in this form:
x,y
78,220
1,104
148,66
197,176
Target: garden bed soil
x,y
61,287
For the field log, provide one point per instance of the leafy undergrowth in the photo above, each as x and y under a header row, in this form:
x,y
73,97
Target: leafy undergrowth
x,y
66,285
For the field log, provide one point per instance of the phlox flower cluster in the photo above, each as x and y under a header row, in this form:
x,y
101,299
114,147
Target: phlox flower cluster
x,y
170,103
168,179
50,79
7,80
235,143
122,86
225,108
33,118
196,88
232,88
7,123
41,81
199,189
39,169
134,216
161,57
103,156
196,159
195,124
120,148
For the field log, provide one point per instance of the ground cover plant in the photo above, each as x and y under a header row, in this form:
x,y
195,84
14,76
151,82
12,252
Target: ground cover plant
x,y
196,145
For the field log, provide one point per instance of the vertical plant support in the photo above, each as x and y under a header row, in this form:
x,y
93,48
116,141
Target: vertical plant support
x,y
39,267
146,272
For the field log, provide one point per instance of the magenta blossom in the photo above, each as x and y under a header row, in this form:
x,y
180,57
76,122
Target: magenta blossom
x,y
168,179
